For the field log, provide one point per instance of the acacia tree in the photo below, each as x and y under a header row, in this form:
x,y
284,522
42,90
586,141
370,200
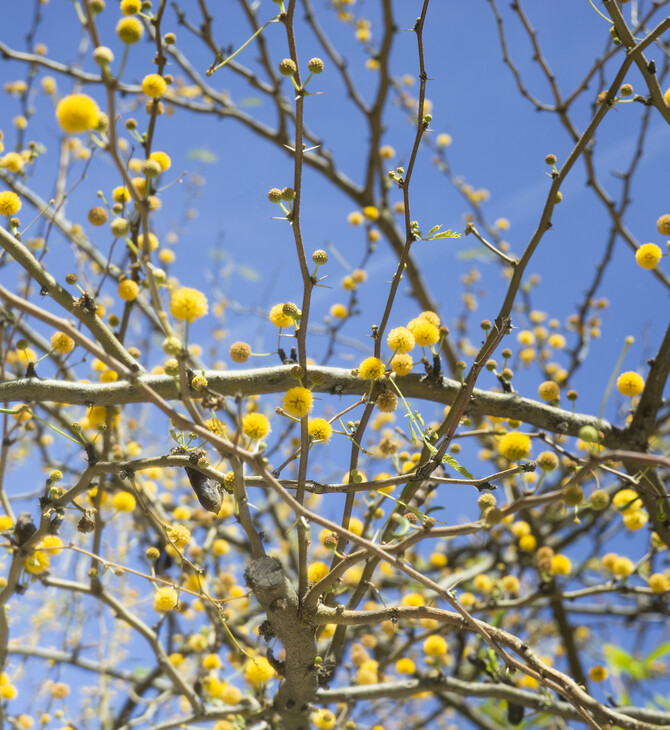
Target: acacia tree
x,y
228,546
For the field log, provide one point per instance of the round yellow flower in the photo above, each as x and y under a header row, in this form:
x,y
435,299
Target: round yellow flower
x,y
372,368
405,666
402,364
598,674
128,290
255,426
435,645
514,446
124,502
298,401
648,255
77,113
339,311
320,430
54,542
549,391
13,162
162,158
561,564
630,383
10,203
400,340
317,571
278,318
165,599
425,332
324,719
355,218
153,85
623,567
659,583
371,212
62,344
130,7
129,30
188,304
258,671
37,562
179,535
120,194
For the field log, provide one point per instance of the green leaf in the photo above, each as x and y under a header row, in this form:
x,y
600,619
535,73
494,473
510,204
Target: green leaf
x,y
622,662
434,229
202,155
662,649
250,101
247,272
444,234
455,465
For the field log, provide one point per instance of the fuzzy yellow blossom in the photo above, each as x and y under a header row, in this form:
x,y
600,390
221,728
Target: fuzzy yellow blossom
x,y
278,318
623,567
165,599
258,671
320,430
153,85
355,218
405,666
188,304
131,7
648,255
556,340
371,212
53,542
401,364
61,343
162,158
298,401
124,502
514,446
317,571
372,368
10,203
400,340
6,523
339,311
659,583
435,645
323,719
77,113
37,562
630,383
120,194
425,332
129,30
549,391
255,426
560,564
128,290
443,140
598,674
179,535
13,162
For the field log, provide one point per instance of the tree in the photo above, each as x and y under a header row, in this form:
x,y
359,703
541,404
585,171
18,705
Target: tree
x,y
404,515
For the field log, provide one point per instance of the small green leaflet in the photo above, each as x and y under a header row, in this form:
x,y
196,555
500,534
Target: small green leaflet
x,y
434,234
455,465
202,155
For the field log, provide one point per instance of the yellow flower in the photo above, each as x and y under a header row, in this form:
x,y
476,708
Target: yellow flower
x,y
626,499
37,562
355,218
623,567
400,340
124,502
560,564
320,430
425,332
323,719
630,383
401,364
6,523
165,599
153,241
549,391
120,194
339,311
372,368
188,304
10,203
130,7
129,30
278,318
405,666
482,583
317,570
443,140
648,255
255,426
371,212
128,290
298,401
435,645
62,343
258,671
598,674
13,162
515,446
54,542
635,519
180,536
77,113
153,85
659,583
162,158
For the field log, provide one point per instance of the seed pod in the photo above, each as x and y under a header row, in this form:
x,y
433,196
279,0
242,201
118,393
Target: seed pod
x,y
24,528
515,713
209,493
